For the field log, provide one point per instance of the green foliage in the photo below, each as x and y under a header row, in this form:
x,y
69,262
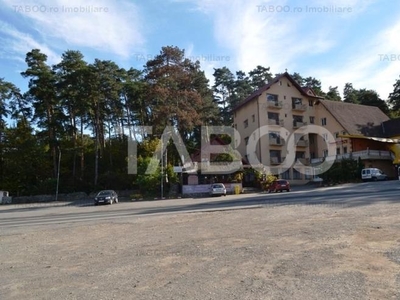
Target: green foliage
x,y
347,170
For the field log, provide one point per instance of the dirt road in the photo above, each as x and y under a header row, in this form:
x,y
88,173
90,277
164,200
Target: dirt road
x,y
287,252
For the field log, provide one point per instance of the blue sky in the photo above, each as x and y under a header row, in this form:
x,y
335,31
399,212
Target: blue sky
x,y
334,41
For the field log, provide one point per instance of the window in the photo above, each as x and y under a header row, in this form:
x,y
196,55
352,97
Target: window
x,y
325,137
300,154
310,103
246,140
323,121
286,174
253,117
284,97
337,151
312,120
246,123
312,155
344,150
337,135
272,97
296,174
296,102
325,153
273,116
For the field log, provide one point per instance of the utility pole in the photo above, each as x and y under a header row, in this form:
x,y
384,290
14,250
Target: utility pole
x,y
58,171
162,168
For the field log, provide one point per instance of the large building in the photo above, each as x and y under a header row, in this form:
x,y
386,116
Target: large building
x,y
283,110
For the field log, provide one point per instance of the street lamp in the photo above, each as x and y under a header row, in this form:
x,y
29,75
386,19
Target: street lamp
x,y
58,171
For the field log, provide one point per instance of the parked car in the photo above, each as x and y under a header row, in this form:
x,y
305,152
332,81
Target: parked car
x,y
373,174
106,196
217,189
279,185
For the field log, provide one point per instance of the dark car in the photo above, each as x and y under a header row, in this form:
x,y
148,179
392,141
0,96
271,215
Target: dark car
x,y
106,197
279,185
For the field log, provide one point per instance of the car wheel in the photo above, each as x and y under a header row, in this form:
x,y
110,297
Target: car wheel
x,y
116,200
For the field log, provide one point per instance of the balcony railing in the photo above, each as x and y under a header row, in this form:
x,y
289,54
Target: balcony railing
x,y
275,122
298,124
274,104
365,154
276,160
302,143
299,107
276,142
304,161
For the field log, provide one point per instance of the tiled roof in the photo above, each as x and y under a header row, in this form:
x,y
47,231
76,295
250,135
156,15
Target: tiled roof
x,y
303,91
357,119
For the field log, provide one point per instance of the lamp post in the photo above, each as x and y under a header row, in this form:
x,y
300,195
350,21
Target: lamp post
x,y
162,168
58,171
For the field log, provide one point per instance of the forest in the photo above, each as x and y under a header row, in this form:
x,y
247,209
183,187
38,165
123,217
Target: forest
x,y
69,124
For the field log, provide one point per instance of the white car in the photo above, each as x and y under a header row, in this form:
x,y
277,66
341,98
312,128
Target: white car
x,y
217,189
373,174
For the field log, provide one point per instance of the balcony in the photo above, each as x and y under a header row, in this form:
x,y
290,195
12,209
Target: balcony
x,y
303,160
274,104
276,142
275,122
299,107
276,160
302,143
298,124
365,154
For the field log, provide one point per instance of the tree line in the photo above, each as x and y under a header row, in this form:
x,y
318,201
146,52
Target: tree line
x,y
71,121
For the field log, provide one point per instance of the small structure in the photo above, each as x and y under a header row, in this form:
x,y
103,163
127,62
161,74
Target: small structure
x,y
207,168
5,198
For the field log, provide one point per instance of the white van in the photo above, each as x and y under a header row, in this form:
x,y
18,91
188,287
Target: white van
x,y
372,174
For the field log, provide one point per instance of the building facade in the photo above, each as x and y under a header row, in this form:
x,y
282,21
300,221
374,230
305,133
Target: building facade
x,y
282,111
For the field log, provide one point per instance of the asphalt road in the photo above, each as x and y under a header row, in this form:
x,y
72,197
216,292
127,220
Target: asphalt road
x,y
348,195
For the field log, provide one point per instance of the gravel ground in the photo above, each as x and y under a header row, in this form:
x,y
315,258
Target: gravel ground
x,y
283,252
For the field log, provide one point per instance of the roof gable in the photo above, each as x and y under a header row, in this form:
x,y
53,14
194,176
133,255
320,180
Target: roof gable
x,y
307,92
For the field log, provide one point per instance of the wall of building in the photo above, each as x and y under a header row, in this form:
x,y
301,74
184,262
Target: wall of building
x,y
335,144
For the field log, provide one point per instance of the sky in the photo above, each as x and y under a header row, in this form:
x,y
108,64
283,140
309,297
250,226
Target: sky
x,y
335,41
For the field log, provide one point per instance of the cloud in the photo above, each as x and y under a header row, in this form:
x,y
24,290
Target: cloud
x,y
105,25
374,66
285,34
16,44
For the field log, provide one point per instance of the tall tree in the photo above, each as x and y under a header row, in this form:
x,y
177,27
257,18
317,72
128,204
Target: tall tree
x,y
350,94
333,94
394,98
70,87
224,89
260,76
174,95
42,95
371,98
